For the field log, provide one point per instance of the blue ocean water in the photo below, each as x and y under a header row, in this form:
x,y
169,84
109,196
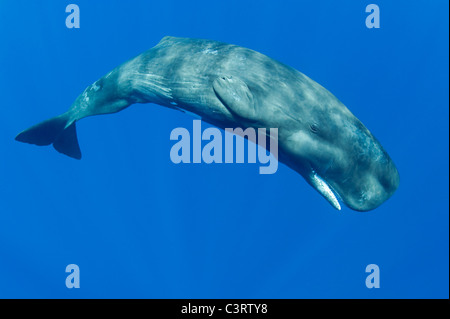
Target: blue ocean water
x,y
140,226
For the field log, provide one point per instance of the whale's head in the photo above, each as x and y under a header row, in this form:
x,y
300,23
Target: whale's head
x,y
342,160
369,177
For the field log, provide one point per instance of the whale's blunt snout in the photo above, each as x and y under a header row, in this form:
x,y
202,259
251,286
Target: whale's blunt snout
x,y
389,180
377,192
369,188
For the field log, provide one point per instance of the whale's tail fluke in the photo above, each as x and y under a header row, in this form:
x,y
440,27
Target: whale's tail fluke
x,y
59,131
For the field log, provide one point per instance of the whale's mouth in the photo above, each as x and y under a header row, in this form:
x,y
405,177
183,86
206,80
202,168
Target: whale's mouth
x,y
324,189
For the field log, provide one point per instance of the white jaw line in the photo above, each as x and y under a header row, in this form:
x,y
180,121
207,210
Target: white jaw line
x,y
323,188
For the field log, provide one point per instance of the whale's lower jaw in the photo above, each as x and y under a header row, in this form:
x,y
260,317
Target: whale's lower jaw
x,y
361,195
324,189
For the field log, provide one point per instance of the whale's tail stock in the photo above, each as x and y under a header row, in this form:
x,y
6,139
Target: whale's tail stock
x,y
59,131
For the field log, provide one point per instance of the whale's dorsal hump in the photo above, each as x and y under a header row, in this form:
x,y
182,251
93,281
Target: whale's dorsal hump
x,y
167,40
236,96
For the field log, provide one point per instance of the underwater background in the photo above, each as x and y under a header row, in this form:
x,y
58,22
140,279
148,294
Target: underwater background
x,y
140,226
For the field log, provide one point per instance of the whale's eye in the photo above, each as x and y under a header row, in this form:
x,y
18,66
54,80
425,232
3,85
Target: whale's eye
x,y
314,128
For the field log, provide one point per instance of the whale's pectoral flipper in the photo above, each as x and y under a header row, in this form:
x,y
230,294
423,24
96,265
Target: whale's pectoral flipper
x,y
236,96
57,130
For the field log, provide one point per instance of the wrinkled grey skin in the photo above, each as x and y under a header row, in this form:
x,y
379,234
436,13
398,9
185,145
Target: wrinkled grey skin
x,y
230,86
